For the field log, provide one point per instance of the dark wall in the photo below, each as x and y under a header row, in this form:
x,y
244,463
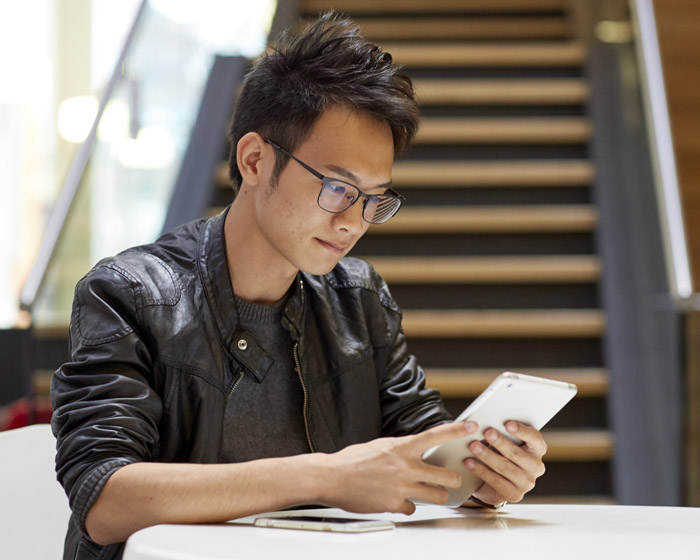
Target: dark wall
x,y
16,364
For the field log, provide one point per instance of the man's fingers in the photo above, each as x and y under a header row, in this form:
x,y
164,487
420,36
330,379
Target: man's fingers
x,y
442,434
501,486
508,468
519,455
519,475
532,438
439,476
407,508
429,494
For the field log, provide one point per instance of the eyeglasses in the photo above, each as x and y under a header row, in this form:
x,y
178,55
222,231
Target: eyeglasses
x,y
337,196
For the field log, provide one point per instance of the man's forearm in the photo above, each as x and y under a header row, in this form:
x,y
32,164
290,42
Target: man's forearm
x,y
144,494
385,474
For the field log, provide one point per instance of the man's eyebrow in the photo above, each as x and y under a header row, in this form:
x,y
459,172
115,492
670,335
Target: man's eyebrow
x,y
354,179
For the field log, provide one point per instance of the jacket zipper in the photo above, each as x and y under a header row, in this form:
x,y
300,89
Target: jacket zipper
x,y
240,378
303,388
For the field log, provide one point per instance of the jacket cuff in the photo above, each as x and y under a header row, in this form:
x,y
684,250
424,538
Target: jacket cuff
x,y
90,488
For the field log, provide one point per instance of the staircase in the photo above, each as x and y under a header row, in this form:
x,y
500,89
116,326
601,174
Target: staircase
x,y
492,258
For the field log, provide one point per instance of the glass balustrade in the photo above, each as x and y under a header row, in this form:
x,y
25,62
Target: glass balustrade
x,y
142,136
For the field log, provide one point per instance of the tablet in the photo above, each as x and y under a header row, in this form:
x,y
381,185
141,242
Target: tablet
x,y
511,396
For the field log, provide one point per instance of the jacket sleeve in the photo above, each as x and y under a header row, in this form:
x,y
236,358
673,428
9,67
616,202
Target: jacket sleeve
x,y
106,412
408,406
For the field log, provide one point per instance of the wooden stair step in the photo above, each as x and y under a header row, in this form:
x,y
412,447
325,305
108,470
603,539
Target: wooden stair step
x,y
383,29
490,219
434,6
503,130
558,91
484,269
470,382
578,445
554,54
497,173
505,323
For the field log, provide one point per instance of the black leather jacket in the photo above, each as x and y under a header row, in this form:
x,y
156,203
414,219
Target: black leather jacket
x,y
155,352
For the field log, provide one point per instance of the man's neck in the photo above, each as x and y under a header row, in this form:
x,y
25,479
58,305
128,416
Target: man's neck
x,y
254,276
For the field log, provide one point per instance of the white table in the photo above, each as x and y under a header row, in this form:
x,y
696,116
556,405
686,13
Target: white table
x,y
518,532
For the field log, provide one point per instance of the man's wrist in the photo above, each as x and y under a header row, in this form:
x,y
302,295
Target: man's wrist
x,y
317,474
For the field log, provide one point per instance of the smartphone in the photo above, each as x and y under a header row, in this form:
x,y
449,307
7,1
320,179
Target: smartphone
x,y
332,524
511,396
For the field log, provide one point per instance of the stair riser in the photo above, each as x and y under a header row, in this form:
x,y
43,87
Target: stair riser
x,y
418,72
503,296
572,243
506,353
492,196
497,151
574,478
521,110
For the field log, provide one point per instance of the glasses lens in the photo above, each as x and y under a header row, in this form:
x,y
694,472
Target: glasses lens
x,y
379,208
336,196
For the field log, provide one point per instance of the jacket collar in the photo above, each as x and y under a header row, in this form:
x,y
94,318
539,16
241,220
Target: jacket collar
x,y
212,263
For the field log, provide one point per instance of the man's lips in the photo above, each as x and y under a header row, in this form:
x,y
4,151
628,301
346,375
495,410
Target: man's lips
x,y
335,247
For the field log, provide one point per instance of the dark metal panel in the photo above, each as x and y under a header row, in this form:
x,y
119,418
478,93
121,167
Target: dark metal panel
x,y
196,183
643,338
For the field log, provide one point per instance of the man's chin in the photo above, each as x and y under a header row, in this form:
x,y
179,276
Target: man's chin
x,y
320,269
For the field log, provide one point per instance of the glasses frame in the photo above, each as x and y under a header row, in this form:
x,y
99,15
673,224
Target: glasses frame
x,y
325,180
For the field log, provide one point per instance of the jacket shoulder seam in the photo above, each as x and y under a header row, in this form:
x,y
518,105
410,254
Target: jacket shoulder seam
x,y
161,263
121,333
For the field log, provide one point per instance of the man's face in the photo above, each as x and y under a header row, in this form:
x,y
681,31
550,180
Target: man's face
x,y
344,145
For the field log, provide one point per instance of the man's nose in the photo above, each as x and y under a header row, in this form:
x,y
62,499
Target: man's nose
x,y
351,219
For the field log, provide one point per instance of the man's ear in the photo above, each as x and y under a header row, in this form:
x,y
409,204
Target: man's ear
x,y
251,160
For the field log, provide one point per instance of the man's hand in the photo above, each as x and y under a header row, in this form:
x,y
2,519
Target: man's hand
x,y
385,474
508,470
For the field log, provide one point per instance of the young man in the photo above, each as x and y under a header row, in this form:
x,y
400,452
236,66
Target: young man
x,y
237,365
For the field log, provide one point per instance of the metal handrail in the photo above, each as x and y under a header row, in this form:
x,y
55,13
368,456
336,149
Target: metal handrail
x,y
662,156
69,189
